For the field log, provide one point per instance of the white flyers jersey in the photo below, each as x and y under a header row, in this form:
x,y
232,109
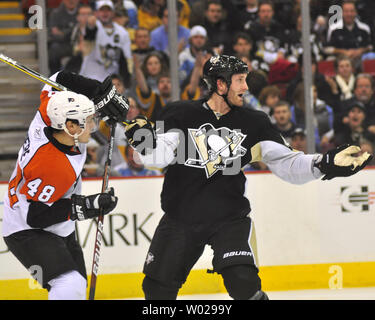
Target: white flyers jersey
x,y
43,173
105,57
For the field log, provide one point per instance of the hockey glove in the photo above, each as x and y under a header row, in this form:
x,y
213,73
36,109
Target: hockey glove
x,y
86,207
109,104
141,134
340,162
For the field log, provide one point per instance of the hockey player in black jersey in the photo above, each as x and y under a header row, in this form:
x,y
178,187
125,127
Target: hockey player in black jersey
x,y
204,147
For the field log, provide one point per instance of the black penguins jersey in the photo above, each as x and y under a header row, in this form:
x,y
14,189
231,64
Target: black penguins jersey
x,y
204,181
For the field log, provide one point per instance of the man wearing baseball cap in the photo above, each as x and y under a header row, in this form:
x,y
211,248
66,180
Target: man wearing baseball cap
x,y
111,52
187,57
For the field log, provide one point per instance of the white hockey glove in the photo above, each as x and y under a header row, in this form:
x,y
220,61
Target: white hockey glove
x,y
341,162
87,207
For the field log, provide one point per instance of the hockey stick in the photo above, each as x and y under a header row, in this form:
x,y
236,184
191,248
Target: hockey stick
x,y
99,230
31,72
35,75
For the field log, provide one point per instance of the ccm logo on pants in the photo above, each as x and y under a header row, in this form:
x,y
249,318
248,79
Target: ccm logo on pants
x,y
237,253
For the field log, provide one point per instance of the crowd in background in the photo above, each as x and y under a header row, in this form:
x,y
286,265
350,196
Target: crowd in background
x,y
128,40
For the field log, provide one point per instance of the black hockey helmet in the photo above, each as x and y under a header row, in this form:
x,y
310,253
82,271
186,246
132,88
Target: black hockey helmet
x,y
222,67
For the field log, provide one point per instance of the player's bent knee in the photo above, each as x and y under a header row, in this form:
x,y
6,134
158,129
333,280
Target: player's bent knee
x,y
242,282
154,290
68,286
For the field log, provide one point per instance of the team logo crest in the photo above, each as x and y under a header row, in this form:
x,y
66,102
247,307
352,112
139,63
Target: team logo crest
x,y
216,148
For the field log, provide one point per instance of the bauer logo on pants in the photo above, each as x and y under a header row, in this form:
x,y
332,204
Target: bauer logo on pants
x,y
217,148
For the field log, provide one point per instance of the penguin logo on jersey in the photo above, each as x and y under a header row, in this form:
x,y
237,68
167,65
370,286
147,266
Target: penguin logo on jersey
x,y
217,148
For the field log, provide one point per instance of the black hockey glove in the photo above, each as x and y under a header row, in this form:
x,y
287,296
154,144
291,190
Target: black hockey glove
x,y
340,162
110,105
86,207
141,134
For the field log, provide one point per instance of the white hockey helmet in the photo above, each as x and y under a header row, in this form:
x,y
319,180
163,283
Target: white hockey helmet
x,y
66,105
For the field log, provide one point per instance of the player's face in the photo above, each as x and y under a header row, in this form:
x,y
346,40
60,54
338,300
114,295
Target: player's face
x,y
237,89
91,126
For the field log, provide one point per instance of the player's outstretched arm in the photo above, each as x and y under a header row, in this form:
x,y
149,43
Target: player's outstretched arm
x,y
298,168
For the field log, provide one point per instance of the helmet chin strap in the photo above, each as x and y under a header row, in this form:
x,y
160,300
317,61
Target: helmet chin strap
x,y
225,96
74,136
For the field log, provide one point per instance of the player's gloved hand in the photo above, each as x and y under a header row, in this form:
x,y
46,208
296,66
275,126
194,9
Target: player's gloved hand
x,y
109,104
141,134
86,207
341,162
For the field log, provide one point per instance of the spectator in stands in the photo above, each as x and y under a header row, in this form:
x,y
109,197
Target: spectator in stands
x,y
149,14
363,92
77,39
60,25
194,86
142,44
218,32
268,35
134,109
132,11
91,167
342,84
319,80
119,84
242,48
299,140
283,120
294,45
152,101
354,130
159,36
186,59
256,80
153,65
111,52
249,14
185,14
121,16
349,36
269,97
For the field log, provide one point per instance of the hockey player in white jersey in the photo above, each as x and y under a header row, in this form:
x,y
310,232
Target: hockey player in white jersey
x,y
43,199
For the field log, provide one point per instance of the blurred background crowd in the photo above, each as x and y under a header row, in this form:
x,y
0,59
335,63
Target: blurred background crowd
x,y
128,40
